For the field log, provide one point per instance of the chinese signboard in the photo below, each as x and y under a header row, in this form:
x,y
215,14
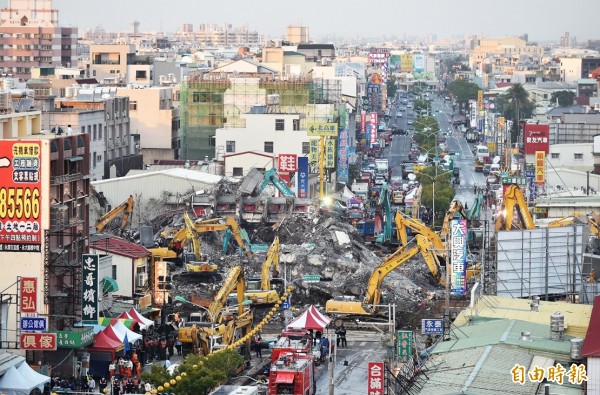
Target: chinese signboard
x,y
33,324
313,155
363,121
322,129
344,142
501,123
375,379
540,167
75,339
330,154
38,341
406,63
537,138
373,128
28,295
20,196
160,275
431,326
379,56
419,63
303,177
480,100
404,345
458,279
90,287
287,163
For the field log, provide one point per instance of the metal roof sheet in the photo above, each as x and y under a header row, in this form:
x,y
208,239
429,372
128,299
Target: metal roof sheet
x,y
577,316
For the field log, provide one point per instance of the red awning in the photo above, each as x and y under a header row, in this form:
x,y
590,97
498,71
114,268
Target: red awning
x,y
591,344
285,377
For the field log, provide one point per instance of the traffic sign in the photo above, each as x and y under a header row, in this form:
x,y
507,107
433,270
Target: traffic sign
x,y
285,306
34,324
312,278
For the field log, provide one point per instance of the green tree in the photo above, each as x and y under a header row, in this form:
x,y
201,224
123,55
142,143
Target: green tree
x,y
444,192
463,91
157,376
425,130
564,98
515,105
422,105
392,87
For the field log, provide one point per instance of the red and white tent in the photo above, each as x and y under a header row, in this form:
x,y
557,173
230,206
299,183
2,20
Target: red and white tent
x,y
310,319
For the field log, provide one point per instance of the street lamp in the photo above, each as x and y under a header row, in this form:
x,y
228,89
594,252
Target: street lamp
x,y
210,314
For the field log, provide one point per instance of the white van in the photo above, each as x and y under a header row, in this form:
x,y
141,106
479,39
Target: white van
x,y
481,151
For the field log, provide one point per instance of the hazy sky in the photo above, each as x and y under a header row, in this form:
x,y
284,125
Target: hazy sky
x,y
543,19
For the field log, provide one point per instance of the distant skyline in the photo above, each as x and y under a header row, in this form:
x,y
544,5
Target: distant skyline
x,y
543,20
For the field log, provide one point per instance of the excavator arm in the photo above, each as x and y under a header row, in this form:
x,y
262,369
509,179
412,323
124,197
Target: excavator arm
x,y
416,204
272,261
399,257
215,225
403,222
456,207
234,281
126,208
191,235
514,197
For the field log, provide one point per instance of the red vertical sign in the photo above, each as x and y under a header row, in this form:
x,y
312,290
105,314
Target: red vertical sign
x,y
28,296
375,381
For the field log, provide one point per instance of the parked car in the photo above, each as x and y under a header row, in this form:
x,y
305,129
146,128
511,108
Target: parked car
x,y
486,169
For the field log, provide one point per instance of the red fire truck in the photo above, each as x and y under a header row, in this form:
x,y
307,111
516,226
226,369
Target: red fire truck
x,y
293,373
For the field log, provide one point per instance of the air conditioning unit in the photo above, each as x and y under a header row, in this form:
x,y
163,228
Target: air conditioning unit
x,y
142,279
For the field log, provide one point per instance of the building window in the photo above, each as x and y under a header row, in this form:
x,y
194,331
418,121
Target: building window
x,y
196,97
269,146
238,171
555,155
280,124
305,147
133,105
114,272
94,160
230,146
296,124
578,156
140,75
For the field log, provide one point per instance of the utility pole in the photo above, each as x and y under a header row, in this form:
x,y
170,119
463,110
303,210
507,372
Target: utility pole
x,y
332,360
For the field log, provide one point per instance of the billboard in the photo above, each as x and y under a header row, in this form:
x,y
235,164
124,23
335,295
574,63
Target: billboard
x,y
540,167
343,166
330,153
28,295
322,129
38,341
379,56
302,177
90,287
20,196
458,250
537,261
287,163
405,339
363,121
419,63
536,138
375,378
406,63
313,155
373,128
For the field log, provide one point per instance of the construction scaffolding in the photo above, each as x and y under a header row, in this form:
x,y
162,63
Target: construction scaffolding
x,y
544,262
210,101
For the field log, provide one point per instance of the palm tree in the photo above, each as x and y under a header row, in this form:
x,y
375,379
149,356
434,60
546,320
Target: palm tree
x,y
518,97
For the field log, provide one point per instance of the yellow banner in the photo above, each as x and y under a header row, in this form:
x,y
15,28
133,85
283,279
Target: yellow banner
x,y
480,100
313,153
540,167
322,129
330,153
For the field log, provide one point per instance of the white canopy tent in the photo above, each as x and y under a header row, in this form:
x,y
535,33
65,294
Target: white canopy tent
x,y
121,330
21,380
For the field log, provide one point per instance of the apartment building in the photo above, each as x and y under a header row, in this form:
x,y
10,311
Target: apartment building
x,y
30,36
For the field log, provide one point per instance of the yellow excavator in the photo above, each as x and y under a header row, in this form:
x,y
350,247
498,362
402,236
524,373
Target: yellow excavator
x,y
439,248
373,297
456,207
579,218
223,327
125,208
513,198
260,291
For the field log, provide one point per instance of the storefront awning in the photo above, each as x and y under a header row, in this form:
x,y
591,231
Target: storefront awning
x,y
285,377
109,285
75,158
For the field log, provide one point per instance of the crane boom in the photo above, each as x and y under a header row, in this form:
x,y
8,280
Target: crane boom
x,y
272,261
234,281
514,197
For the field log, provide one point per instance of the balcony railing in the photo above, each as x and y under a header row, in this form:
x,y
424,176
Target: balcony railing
x,y
57,180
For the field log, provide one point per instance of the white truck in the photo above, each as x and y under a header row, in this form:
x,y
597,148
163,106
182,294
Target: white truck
x,y
361,189
381,167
